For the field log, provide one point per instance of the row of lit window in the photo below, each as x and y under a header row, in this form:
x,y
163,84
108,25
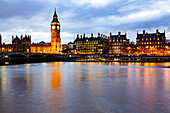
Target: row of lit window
x,y
92,50
90,45
152,43
150,39
116,47
152,46
86,47
118,44
117,40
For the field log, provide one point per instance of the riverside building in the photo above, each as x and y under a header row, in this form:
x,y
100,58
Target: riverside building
x,y
118,44
151,43
91,45
22,44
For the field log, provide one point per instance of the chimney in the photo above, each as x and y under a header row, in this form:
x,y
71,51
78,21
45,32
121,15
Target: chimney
x,y
84,36
143,32
119,33
91,34
81,36
77,35
12,37
98,34
21,37
157,31
110,34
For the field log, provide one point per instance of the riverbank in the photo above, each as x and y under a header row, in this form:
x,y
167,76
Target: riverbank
x,y
14,63
18,59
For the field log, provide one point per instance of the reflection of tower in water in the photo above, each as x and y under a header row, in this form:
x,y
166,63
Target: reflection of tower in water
x,y
55,76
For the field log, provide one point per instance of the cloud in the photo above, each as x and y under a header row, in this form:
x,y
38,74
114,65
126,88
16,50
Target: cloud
x,y
82,17
142,13
67,37
94,3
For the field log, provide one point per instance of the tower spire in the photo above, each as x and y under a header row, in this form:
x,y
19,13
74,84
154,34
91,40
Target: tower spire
x,y
55,14
55,17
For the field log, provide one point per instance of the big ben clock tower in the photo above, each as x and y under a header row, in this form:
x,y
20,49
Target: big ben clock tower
x,y
55,34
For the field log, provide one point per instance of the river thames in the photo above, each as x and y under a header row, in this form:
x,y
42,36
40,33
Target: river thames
x,y
65,87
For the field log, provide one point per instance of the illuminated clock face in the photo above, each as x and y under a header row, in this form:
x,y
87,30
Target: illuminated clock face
x,y
53,27
58,27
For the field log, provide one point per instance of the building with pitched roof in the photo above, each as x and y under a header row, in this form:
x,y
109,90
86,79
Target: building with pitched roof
x,y
118,43
151,43
90,45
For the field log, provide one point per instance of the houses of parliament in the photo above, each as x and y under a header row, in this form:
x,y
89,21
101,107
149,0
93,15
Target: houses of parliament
x,y
23,43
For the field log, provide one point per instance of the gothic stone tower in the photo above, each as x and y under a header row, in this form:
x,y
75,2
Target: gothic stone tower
x,y
55,34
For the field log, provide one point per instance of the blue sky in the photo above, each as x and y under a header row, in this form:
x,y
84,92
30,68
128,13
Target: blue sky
x,y
83,16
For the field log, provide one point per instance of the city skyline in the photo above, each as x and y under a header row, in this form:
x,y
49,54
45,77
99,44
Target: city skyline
x,y
83,17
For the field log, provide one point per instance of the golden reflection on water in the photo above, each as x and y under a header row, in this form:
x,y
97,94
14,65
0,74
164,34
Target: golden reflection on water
x,y
166,64
56,98
56,77
129,71
138,64
138,75
166,79
146,76
28,83
3,79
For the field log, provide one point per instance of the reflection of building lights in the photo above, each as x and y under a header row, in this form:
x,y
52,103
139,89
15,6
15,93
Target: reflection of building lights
x,y
28,50
6,63
28,65
146,64
166,47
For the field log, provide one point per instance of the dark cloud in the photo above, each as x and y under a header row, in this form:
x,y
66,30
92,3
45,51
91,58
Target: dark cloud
x,y
23,9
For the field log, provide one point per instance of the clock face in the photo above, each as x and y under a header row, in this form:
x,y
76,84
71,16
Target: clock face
x,y
58,27
53,27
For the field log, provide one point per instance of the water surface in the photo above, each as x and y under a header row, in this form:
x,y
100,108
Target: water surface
x,y
85,88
